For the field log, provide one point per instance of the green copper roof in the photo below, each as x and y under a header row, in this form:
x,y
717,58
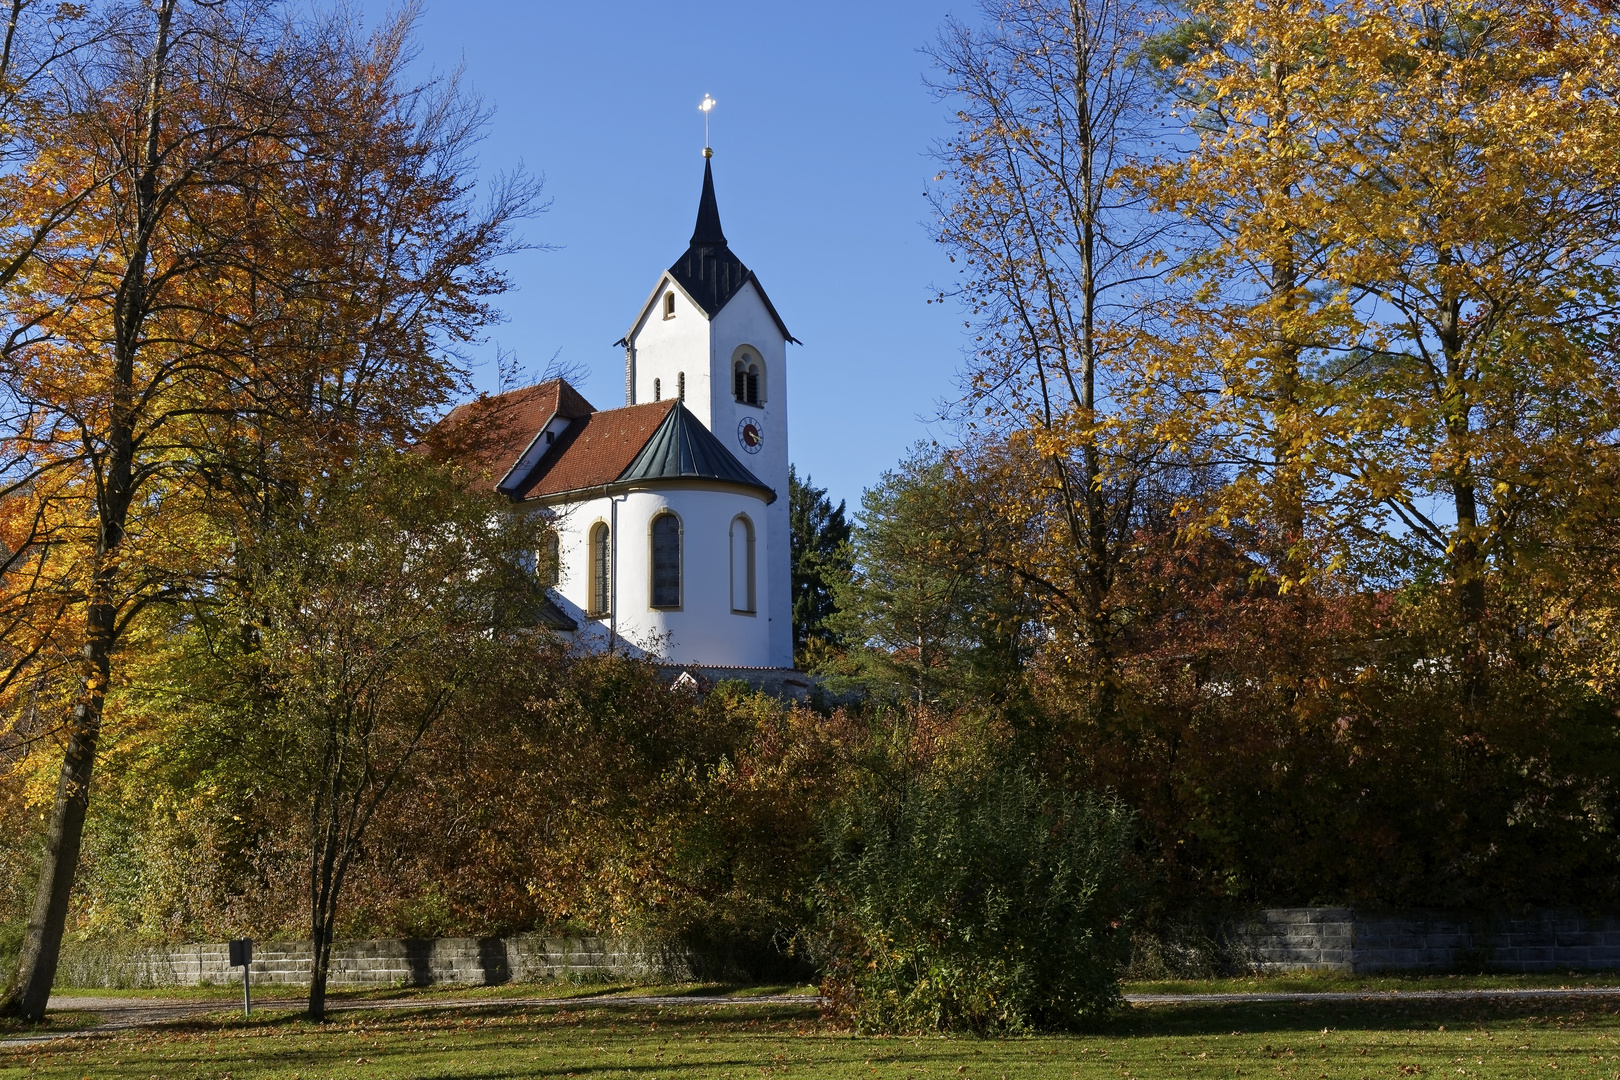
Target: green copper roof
x,y
683,449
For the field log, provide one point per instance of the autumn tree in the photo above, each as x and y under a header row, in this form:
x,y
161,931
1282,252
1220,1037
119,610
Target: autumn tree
x,y
388,594
280,265
1440,184
1050,103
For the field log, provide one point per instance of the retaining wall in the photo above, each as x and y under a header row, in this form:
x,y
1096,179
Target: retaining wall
x,y
1275,939
1344,939
393,961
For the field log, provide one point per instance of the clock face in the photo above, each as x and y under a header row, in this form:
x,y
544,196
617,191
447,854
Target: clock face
x,y
749,436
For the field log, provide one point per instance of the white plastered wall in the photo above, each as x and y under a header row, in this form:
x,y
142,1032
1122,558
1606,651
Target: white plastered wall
x,y
747,321
666,346
704,629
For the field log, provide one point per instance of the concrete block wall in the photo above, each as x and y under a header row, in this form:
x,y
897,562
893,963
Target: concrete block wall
x,y
1344,939
384,962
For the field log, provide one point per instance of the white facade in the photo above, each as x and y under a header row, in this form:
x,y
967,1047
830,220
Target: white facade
x,y
710,624
675,343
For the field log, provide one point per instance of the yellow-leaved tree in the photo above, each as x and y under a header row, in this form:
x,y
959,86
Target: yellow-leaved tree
x,y
1406,295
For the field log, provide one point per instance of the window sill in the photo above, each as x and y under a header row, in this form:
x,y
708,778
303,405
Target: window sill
x,y
739,611
749,404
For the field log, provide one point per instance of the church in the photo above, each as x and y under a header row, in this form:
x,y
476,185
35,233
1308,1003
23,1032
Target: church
x,y
669,515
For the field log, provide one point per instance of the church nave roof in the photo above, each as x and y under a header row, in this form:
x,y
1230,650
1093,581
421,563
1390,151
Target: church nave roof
x,y
501,438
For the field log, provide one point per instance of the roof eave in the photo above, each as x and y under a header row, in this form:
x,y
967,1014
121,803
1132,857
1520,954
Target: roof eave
x,y
619,487
770,307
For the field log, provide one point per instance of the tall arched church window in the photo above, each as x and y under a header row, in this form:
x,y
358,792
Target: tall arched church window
x,y
742,565
551,571
666,561
747,379
601,555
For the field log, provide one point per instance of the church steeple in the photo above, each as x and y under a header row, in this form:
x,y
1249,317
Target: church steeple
x,y
708,271
707,232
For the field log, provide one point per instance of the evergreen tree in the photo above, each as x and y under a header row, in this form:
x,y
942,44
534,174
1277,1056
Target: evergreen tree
x,y
926,610
820,548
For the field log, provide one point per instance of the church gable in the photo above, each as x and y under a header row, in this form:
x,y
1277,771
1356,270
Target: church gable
x,y
493,435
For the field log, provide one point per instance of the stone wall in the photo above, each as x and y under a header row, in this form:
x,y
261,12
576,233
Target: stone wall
x,y
1345,939
391,962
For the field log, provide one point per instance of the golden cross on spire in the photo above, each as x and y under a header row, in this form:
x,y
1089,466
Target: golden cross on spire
x,y
704,106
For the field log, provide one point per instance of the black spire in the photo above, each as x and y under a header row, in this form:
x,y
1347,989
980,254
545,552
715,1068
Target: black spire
x,y
707,232
708,270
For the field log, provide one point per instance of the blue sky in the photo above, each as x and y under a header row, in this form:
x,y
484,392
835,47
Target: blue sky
x,y
822,137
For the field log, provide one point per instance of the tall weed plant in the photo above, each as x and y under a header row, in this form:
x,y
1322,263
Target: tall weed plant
x,y
984,903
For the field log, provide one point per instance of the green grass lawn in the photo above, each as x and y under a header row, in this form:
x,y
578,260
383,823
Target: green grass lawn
x,y
1388,1040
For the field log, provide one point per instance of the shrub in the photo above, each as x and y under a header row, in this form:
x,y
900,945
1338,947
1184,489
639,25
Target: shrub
x,y
989,904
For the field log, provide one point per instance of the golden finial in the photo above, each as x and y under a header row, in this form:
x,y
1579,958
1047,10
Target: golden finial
x,y
704,106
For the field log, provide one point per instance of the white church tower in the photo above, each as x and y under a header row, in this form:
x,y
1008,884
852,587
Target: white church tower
x,y
709,335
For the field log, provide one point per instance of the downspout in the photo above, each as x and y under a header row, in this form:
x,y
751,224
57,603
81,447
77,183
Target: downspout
x,y
613,568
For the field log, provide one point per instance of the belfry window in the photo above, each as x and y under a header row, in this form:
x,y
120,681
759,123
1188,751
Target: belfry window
x,y
745,380
666,561
601,554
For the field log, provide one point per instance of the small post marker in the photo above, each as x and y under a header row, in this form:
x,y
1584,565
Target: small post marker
x,y
242,956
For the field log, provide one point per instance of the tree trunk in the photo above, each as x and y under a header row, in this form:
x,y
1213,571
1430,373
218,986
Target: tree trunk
x,y
30,988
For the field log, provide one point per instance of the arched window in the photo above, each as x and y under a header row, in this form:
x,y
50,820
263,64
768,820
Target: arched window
x,y
601,554
742,565
666,561
658,390
669,305
747,382
680,385
551,568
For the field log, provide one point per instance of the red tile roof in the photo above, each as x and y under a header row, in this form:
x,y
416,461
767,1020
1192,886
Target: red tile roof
x,y
490,434
595,449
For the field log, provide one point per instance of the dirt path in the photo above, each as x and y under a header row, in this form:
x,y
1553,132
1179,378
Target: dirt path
x,y
123,1014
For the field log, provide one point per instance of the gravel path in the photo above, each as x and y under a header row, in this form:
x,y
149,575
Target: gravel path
x,y
123,1014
